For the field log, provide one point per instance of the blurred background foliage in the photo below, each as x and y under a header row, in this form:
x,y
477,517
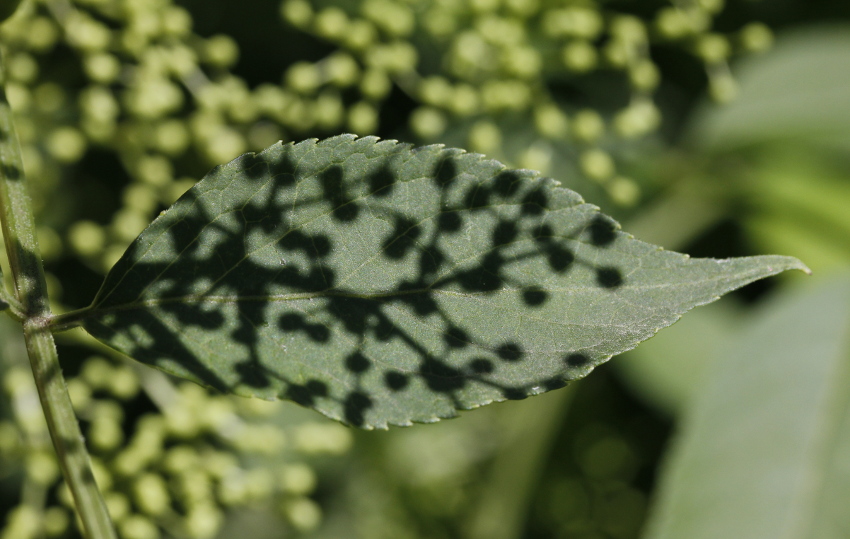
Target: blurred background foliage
x,y
715,128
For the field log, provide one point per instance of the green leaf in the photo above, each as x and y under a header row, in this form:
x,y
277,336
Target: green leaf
x,y
765,448
382,284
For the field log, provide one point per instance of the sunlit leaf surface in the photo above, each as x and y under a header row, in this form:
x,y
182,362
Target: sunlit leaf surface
x,y
383,284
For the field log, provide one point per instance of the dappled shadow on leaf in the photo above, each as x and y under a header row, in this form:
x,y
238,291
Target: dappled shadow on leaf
x,y
331,276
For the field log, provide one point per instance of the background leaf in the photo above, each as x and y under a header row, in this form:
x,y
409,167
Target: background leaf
x,y
382,284
765,451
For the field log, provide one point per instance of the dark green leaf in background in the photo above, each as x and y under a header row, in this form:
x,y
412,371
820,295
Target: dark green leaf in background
x,y
383,284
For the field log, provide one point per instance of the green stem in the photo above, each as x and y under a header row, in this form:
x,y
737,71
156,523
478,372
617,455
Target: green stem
x,y
19,234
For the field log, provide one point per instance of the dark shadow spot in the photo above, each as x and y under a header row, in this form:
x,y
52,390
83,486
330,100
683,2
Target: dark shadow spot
x,y
576,360
609,277
535,203
11,172
355,405
449,221
554,383
602,231
484,278
505,232
441,377
296,322
252,166
347,212
430,261
395,380
535,297
510,351
560,258
507,182
402,239
251,374
306,395
544,233
381,182
445,171
344,209
481,366
477,197
514,394
357,363
455,337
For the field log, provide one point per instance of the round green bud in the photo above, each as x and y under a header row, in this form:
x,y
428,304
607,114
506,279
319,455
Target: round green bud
x,y
105,434
341,69
439,23
150,493
181,457
86,33
117,505
225,144
428,123
176,21
125,383
361,34
711,6
587,125
219,464
154,97
596,164
619,53
470,53
20,99
298,479
331,23
755,37
574,21
395,57
676,23
483,6
523,62
394,18
465,100
56,521
375,84
538,156
49,97
259,484
66,144
722,87
221,51
203,521
485,137
263,134
96,370
298,13
10,438
87,238
303,513
102,67
50,242
303,77
127,224
171,137
624,191
550,121
435,90
328,110
80,392
138,527
644,76
42,35
629,29
194,487
327,438
523,8
713,48
497,95
42,468
579,56
362,118
22,67
638,119
23,522
506,32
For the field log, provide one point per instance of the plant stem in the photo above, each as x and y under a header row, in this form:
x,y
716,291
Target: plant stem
x,y
19,233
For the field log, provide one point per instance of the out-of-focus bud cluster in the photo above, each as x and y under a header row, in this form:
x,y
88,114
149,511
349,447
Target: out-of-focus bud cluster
x,y
474,67
172,472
